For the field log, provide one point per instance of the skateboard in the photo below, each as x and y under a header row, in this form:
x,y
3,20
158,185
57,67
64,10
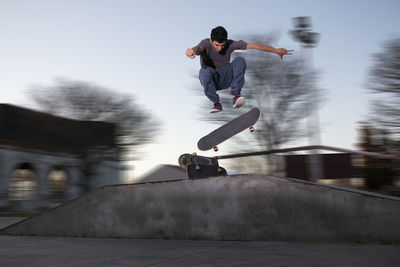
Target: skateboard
x,y
187,158
226,131
200,166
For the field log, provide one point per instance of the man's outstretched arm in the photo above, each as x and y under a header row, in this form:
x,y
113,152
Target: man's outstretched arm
x,y
262,47
192,52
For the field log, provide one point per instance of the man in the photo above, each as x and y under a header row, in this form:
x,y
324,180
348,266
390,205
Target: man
x,y
217,72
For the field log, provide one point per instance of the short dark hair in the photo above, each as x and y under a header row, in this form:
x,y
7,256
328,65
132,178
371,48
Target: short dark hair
x,y
219,34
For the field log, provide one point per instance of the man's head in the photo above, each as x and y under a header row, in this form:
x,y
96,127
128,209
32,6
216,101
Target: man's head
x,y
219,36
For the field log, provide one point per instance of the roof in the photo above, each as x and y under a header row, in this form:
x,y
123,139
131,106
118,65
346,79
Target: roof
x,y
28,128
163,172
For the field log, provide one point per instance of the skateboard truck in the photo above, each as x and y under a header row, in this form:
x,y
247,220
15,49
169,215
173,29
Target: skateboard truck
x,y
199,166
193,158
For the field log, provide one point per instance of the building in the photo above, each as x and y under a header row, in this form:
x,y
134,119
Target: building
x,y
46,160
163,172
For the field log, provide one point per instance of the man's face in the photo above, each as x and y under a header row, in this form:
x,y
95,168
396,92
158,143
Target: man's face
x,y
218,46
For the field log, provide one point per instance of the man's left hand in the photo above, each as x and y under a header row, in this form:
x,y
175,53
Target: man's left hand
x,y
282,51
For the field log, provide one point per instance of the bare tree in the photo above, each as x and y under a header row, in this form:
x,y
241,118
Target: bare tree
x,y
384,82
377,172
285,91
82,100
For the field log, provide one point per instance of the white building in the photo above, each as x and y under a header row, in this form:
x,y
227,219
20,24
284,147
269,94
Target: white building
x,y
163,172
46,160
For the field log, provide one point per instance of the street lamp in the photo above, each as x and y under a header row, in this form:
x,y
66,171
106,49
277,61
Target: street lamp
x,y
302,33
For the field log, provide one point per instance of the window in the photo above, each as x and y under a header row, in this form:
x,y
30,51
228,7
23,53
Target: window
x,y
23,183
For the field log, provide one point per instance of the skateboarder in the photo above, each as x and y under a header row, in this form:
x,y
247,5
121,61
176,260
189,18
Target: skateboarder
x,y
217,72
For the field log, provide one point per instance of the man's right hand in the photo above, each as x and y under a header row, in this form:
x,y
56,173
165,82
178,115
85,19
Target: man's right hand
x,y
190,53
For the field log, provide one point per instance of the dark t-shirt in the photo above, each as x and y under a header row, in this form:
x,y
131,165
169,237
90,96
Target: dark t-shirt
x,y
210,58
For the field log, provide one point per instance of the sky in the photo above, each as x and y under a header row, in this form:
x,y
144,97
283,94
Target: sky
x,y
138,48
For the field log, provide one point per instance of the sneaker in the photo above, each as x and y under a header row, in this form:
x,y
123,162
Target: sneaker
x,y
217,107
238,101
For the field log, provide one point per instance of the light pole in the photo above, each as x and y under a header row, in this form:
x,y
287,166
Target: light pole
x,y
308,40
302,32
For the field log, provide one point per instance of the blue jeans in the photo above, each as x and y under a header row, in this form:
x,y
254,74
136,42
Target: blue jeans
x,y
229,76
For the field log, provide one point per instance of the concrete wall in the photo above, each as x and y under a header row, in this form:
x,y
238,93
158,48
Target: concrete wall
x,y
244,207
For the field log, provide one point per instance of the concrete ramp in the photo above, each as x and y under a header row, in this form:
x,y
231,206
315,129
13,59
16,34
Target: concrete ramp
x,y
242,207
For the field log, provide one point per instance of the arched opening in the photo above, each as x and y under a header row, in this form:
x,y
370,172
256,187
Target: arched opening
x,y
58,182
23,184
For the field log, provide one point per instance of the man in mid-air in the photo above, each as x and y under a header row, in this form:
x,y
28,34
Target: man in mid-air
x,y
217,72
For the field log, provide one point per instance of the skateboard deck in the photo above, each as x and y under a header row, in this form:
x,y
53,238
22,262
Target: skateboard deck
x,y
226,131
196,171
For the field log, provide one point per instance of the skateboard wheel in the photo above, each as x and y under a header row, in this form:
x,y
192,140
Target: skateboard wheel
x,y
197,168
215,148
251,129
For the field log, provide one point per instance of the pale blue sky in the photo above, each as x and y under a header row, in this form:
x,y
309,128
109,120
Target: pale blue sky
x,y
138,47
